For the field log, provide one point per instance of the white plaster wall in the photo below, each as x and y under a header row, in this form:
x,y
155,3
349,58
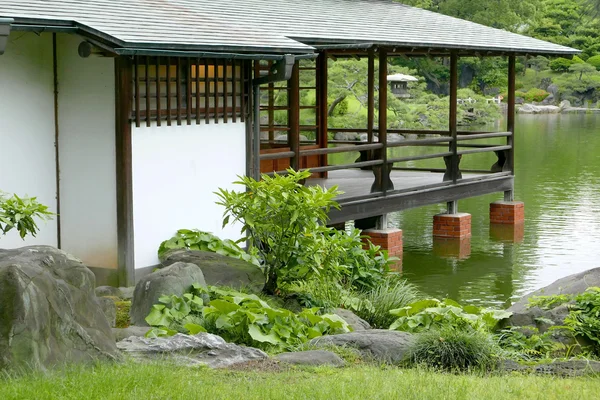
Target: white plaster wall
x,y
27,162
86,106
176,169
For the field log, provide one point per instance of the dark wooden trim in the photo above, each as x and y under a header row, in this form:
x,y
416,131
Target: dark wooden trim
x,y
244,88
198,117
148,122
188,89
271,106
383,84
56,140
137,92
322,70
510,118
370,96
206,95
178,89
453,118
225,90
169,108
234,78
158,105
216,92
375,206
124,174
294,116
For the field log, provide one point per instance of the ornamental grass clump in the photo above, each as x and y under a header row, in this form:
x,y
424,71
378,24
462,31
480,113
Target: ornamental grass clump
x,y
451,349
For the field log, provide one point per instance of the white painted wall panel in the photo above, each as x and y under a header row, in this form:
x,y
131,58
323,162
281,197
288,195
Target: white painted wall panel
x,y
87,155
176,169
27,162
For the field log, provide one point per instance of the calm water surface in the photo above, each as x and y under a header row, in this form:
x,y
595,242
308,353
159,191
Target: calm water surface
x,y
558,178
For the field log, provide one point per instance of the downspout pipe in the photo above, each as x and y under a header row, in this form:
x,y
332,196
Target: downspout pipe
x,y
5,26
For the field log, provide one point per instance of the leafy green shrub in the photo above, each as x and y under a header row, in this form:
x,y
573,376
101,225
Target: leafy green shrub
x,y
375,305
123,308
561,64
451,349
536,95
434,314
595,61
549,302
286,223
584,317
20,213
533,345
240,318
194,239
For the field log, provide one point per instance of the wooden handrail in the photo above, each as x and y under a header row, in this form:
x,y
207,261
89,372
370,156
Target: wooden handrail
x,y
341,149
422,157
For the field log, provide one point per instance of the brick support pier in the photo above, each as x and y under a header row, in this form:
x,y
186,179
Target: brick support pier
x,y
389,239
457,226
507,212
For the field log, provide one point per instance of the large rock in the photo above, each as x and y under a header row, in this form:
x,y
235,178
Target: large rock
x,y
109,308
176,279
346,136
49,313
354,321
187,350
376,344
535,109
124,333
107,291
311,358
220,270
523,315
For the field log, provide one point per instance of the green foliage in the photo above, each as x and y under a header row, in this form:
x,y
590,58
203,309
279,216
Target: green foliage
x,y
429,314
561,64
452,349
584,317
526,343
240,318
123,307
594,61
548,302
20,213
582,69
374,306
194,239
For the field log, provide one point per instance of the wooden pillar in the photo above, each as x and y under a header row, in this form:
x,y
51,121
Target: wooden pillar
x,y
294,116
510,122
371,96
123,102
453,122
383,118
323,122
271,108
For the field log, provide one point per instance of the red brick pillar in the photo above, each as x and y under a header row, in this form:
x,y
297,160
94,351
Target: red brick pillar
x,y
507,212
455,226
389,239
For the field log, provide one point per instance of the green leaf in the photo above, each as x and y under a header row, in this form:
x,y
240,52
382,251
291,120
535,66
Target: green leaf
x,y
194,329
256,334
224,306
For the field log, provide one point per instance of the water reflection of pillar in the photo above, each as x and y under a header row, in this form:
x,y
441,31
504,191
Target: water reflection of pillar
x,y
455,248
504,279
506,233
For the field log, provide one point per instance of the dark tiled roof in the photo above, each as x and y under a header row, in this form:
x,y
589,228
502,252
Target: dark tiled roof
x,y
274,25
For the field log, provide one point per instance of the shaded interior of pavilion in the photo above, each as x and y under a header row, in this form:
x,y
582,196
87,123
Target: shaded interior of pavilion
x,y
295,132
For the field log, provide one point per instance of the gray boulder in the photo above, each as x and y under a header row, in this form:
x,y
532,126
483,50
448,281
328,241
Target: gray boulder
x,y
376,344
354,321
536,109
176,279
220,270
311,358
365,137
126,292
124,333
107,291
346,136
187,350
109,308
49,313
394,137
565,368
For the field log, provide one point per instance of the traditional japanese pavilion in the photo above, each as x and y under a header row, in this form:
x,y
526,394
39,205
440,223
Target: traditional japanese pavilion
x,y
126,116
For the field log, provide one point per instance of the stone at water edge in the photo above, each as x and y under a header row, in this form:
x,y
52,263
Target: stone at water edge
x,y
176,279
377,344
219,270
354,321
311,358
49,313
187,350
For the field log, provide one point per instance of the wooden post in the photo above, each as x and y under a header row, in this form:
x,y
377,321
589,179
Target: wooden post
x,y
323,122
370,97
453,123
271,108
124,100
383,118
510,122
294,116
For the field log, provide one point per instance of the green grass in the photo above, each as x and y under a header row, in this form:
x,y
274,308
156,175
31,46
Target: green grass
x,y
163,381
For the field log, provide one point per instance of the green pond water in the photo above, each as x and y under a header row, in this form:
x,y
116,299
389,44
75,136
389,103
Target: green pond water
x,y
558,178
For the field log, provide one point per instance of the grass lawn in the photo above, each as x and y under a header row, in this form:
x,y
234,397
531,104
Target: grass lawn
x,y
163,381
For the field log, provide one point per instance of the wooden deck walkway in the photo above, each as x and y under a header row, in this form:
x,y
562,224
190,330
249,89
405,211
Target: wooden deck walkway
x,y
357,183
411,189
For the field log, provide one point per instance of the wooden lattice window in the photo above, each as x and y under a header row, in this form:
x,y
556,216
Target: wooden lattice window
x,y
181,90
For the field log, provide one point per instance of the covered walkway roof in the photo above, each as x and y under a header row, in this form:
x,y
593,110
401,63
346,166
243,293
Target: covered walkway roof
x,y
282,26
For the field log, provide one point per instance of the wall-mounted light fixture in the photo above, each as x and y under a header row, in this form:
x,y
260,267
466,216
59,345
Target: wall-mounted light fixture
x,y
4,32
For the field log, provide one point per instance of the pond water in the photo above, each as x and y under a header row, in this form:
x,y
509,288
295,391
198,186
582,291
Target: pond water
x,y
558,178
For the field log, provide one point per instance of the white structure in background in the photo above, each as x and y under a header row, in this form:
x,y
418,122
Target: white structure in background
x,y
399,84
